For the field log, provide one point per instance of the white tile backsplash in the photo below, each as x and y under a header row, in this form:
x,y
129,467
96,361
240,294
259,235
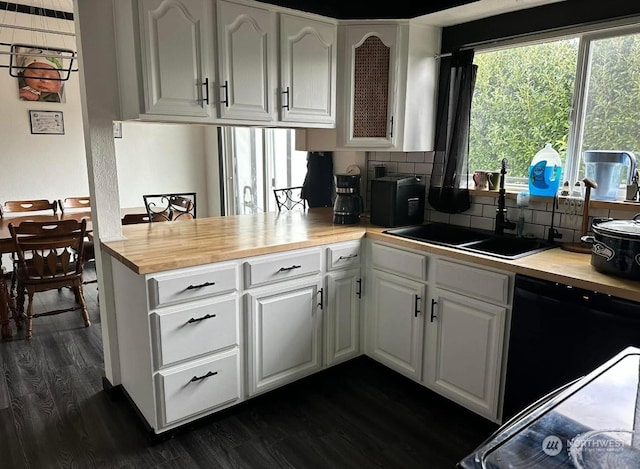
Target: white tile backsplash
x,y
482,213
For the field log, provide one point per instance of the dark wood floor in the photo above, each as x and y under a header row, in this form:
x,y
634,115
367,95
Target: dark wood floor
x,y
53,413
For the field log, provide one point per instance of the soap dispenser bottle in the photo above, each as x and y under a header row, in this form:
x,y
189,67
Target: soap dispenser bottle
x,y
545,172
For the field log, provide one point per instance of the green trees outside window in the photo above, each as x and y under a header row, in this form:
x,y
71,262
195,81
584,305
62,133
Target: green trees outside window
x,y
524,97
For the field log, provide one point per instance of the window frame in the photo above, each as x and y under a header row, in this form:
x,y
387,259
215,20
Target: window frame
x,y
585,34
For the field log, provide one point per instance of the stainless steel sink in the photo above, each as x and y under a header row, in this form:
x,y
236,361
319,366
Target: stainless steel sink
x,y
467,239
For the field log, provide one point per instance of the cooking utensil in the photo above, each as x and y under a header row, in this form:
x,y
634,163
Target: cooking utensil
x,y
616,246
583,246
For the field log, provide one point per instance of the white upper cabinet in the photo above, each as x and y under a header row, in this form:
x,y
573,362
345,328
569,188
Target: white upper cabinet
x,y
247,54
370,57
307,70
388,77
177,57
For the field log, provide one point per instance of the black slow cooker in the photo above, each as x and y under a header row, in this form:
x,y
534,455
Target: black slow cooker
x,y
616,246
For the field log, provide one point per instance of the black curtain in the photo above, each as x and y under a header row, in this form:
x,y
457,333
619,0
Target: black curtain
x,y
317,188
449,191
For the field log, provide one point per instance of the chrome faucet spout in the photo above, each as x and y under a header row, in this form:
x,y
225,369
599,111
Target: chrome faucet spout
x,y
502,222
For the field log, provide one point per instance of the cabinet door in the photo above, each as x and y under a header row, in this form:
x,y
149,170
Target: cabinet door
x,y
308,70
178,55
284,333
395,311
246,37
371,55
465,351
342,318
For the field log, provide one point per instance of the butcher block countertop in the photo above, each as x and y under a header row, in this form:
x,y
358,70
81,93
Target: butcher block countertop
x,y
157,247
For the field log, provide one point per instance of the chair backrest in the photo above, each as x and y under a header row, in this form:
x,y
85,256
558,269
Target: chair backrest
x,y
17,206
49,251
135,218
290,198
74,202
171,207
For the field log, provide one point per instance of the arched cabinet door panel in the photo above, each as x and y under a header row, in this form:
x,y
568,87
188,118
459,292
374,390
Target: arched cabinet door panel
x,y
177,57
307,70
247,42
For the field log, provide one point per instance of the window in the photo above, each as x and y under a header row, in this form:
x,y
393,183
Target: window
x,y
257,161
578,93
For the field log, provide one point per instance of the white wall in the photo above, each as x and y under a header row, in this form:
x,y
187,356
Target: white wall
x,y
153,158
39,166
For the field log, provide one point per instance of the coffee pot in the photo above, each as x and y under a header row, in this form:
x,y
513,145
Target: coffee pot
x,y
348,204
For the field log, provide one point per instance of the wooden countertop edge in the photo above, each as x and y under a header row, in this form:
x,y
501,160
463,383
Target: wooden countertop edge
x,y
142,268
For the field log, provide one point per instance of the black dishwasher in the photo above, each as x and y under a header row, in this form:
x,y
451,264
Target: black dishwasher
x,y
559,333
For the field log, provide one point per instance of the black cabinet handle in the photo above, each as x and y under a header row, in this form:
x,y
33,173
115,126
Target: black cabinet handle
x,y
206,316
287,94
433,308
198,378
391,132
417,306
287,269
205,100
205,284
321,304
346,258
225,87
359,291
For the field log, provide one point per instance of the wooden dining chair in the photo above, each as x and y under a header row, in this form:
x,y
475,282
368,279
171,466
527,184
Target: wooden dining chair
x,y
75,204
135,218
49,257
18,206
290,198
172,207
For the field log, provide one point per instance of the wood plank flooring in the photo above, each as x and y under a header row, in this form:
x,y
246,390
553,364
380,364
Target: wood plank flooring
x,y
54,414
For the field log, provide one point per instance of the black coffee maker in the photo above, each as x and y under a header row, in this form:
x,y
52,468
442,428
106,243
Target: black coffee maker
x,y
348,204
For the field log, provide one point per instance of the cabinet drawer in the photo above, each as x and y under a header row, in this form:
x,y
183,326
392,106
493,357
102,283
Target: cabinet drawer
x,y
181,334
343,256
193,283
472,281
275,268
204,385
398,261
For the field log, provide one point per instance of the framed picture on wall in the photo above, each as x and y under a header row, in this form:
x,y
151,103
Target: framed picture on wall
x,y
46,122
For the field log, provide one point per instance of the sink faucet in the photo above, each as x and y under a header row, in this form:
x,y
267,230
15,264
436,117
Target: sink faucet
x,y
502,222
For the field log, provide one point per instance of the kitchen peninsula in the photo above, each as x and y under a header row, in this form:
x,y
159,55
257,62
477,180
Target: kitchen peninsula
x,y
213,311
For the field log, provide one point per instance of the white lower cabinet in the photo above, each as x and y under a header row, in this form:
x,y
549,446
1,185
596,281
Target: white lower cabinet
x,y
396,322
464,350
284,333
342,316
469,308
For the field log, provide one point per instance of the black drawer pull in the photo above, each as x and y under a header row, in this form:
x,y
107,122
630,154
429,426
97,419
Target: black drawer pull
x,y
359,292
206,316
287,269
286,106
416,310
346,258
198,378
205,284
433,306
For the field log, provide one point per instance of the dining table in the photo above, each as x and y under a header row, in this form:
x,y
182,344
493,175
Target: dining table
x,y
7,303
